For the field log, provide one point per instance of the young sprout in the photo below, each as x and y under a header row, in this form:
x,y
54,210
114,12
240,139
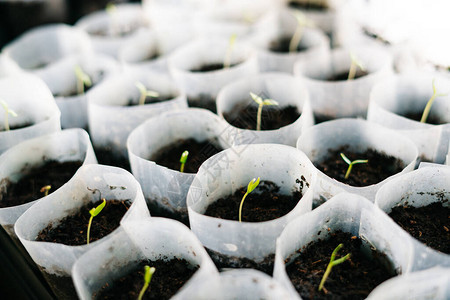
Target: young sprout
x,y
351,163
183,160
427,109
355,63
83,79
147,278
302,22
261,102
145,93
333,263
94,212
227,59
250,187
111,10
45,190
8,112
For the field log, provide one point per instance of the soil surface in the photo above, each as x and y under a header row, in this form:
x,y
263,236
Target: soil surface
x,y
309,5
429,224
28,188
106,156
211,67
151,100
282,45
343,76
355,278
320,118
11,127
62,286
203,101
169,156
168,278
432,119
72,230
263,204
379,167
244,116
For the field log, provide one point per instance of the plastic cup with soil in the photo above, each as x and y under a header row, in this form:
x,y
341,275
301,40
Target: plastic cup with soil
x,y
332,98
287,180
155,149
115,268
273,43
55,238
388,153
281,123
114,111
109,31
418,202
37,115
34,164
398,102
306,244
198,68
61,78
42,46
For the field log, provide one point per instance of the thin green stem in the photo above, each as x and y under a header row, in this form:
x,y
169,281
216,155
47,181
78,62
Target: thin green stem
x,y
250,187
258,117
89,229
183,159
240,207
333,263
349,170
94,212
352,72
296,38
427,109
147,278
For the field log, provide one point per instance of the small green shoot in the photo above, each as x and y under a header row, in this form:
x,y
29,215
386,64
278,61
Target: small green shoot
x,y
8,112
302,23
94,212
45,190
111,10
355,63
261,102
227,59
333,263
147,278
183,159
427,109
250,187
351,163
83,79
145,93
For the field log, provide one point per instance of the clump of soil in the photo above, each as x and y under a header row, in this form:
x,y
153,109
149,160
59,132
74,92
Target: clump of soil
x,y
28,188
379,167
432,119
263,204
344,76
244,116
72,230
282,45
429,224
210,67
355,278
169,156
203,101
168,278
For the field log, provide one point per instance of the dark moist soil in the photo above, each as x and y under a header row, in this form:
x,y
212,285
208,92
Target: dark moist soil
x,y
210,67
75,92
379,167
263,204
282,45
203,101
223,261
308,5
168,278
28,188
429,224
416,116
169,156
343,76
159,210
106,156
20,126
355,278
244,116
151,100
72,230
320,118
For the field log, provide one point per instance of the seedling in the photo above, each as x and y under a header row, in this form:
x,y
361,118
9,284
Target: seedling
x,y
261,102
147,278
351,163
183,160
355,63
333,263
302,22
427,109
145,93
94,212
250,187
83,79
227,59
45,190
8,112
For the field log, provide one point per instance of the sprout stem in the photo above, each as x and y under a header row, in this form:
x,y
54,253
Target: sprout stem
x,y
355,63
351,163
427,109
45,190
94,212
333,263
227,60
147,278
8,112
250,187
183,160
261,103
